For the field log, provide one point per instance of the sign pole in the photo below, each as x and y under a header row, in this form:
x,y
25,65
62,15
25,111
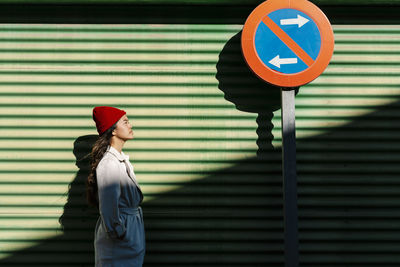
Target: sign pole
x,y
288,44
289,178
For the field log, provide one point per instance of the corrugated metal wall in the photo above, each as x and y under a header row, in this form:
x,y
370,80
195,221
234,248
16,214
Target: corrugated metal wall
x,y
348,163
207,147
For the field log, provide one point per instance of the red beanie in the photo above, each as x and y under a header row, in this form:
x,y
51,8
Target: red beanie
x,y
105,117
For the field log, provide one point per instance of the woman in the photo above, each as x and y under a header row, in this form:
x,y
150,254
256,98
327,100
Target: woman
x,y
112,186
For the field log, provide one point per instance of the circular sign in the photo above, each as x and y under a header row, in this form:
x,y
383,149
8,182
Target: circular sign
x,y
287,43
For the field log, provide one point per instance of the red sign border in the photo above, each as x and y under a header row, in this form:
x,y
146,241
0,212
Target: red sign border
x,y
275,77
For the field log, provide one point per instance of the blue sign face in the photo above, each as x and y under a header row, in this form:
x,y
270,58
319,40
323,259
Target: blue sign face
x,y
277,55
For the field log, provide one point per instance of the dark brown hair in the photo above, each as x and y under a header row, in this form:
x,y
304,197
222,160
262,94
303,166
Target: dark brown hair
x,y
99,148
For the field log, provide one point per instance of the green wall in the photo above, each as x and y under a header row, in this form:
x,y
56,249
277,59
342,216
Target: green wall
x,y
207,137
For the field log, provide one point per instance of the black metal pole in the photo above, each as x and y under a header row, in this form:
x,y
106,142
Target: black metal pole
x,y
289,178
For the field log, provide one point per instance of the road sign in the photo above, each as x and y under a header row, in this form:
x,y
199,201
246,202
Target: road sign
x,y
287,43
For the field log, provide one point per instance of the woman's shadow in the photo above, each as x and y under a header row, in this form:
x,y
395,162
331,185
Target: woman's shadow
x,y
78,219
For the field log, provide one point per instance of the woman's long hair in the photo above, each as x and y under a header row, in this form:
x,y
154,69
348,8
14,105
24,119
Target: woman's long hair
x,y
99,148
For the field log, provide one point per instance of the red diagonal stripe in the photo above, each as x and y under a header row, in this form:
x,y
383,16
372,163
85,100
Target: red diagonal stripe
x,y
288,41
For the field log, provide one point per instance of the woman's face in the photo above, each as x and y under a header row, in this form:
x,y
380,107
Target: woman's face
x,y
124,129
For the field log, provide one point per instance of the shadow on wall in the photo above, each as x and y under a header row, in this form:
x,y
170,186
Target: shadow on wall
x,y
348,197
246,91
74,247
78,220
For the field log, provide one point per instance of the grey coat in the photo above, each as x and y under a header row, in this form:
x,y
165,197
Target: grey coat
x,y
119,234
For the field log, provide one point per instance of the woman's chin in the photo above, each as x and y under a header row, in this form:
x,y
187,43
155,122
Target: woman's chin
x,y
126,138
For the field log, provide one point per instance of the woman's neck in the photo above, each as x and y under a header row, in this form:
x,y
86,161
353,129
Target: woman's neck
x,y
117,143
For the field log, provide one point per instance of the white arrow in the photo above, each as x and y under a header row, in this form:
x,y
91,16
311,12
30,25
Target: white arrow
x,y
299,21
276,61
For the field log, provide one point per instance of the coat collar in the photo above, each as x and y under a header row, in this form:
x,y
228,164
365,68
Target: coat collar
x,y
125,158
120,156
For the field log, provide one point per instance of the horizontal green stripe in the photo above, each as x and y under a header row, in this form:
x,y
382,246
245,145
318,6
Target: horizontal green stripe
x,y
351,96
36,172
108,51
269,154
164,40
185,106
349,128
256,98
168,183
115,40
166,51
23,218
302,147
186,128
227,73
379,118
206,173
194,139
360,52
37,262
169,62
139,150
160,106
38,229
375,32
232,86
36,183
188,29
365,63
31,206
112,62
42,194
231,73
129,73
198,161
136,117
255,161
256,192
358,74
371,41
